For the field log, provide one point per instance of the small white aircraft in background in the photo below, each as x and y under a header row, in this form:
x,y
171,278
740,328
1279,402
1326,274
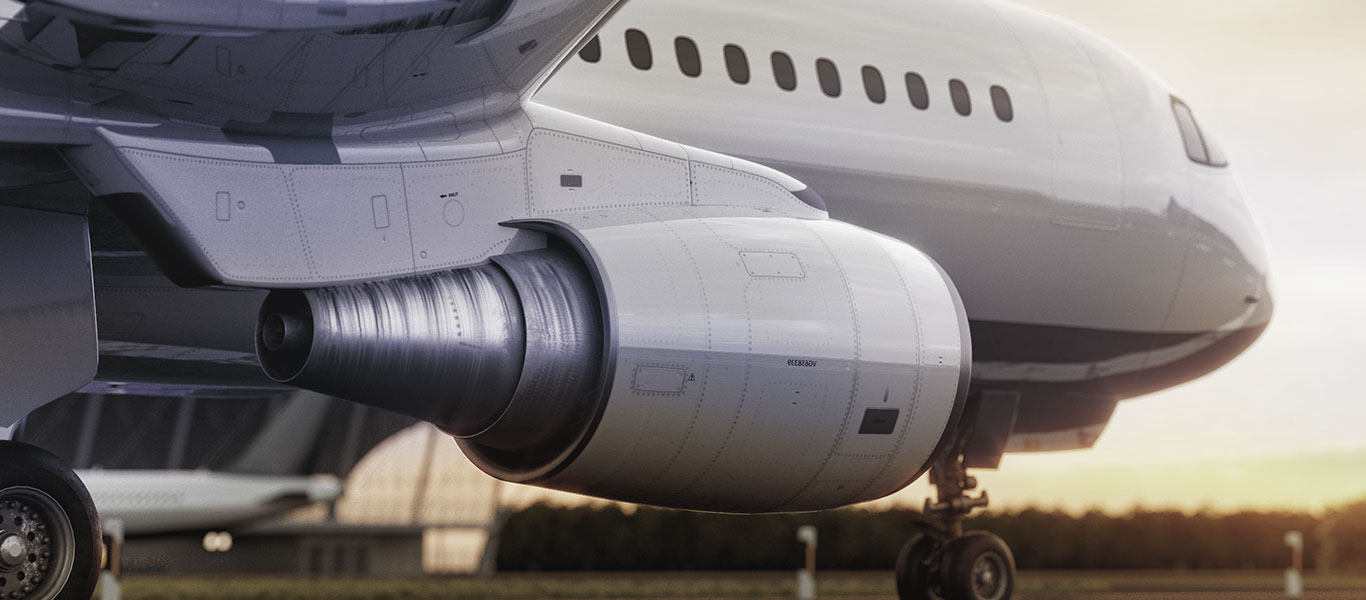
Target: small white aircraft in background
x,y
759,257
164,502
173,465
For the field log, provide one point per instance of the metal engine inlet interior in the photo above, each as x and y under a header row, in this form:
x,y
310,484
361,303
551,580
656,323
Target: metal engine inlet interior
x,y
503,355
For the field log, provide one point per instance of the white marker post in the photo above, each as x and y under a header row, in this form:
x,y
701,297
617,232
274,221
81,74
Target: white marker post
x,y
1294,576
806,578
112,574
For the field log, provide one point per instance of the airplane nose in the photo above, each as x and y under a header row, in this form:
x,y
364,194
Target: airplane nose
x,y
1257,268
1225,295
1263,305
1225,283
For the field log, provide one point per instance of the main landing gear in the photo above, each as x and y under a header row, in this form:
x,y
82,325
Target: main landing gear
x,y
49,533
943,563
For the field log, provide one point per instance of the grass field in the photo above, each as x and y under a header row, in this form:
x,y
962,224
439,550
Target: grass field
x,y
1037,585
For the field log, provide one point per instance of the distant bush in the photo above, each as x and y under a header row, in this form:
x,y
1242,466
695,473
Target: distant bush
x,y
1343,531
546,538
1149,539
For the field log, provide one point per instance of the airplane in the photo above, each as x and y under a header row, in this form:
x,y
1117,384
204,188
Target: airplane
x,y
193,464
745,258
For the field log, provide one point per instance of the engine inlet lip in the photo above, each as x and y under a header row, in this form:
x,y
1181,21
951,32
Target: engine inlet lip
x,y
963,394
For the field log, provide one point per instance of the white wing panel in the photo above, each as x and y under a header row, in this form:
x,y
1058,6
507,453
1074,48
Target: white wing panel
x,y
251,219
570,173
349,211
454,207
260,238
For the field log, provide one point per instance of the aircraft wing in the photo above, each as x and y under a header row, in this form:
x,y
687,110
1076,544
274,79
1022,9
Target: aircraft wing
x,y
276,67
407,155
249,83
247,17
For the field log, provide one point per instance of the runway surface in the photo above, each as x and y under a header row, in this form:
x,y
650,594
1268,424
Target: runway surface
x,y
1121,585
1311,595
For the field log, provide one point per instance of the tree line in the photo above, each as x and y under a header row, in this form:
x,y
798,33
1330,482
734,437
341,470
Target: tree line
x,y
608,538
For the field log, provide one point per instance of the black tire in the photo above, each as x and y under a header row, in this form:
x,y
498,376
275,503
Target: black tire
x,y
914,581
30,476
977,566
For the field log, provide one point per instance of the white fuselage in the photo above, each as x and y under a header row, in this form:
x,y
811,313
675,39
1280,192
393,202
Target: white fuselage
x,y
1081,218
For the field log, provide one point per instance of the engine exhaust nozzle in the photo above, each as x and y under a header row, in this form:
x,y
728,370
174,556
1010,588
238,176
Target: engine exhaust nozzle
x,y
502,354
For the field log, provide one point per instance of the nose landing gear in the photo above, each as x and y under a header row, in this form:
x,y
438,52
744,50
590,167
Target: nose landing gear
x,y
49,534
943,563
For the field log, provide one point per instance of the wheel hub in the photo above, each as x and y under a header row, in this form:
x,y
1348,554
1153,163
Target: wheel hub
x,y
12,551
987,573
36,545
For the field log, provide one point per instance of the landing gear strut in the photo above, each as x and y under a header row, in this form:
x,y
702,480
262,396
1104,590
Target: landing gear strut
x,y
49,533
943,563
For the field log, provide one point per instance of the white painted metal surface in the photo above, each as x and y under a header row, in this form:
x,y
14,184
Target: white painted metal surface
x,y
778,371
304,159
259,223
149,502
1077,213
47,309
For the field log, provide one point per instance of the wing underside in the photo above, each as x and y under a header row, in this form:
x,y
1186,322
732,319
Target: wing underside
x,y
253,84
266,68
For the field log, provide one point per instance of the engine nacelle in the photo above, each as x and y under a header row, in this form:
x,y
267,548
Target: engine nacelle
x,y
722,364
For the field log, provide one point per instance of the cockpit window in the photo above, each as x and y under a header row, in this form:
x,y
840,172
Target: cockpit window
x,y
1216,155
1190,134
1199,148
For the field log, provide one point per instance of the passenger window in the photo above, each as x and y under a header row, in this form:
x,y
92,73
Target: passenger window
x,y
962,102
1000,100
915,88
829,75
689,60
784,72
592,51
1199,147
638,49
737,64
873,84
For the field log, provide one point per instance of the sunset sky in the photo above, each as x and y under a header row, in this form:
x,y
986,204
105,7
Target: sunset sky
x,y
1282,86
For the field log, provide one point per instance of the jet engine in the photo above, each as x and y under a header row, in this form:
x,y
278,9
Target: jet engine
x,y
721,364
